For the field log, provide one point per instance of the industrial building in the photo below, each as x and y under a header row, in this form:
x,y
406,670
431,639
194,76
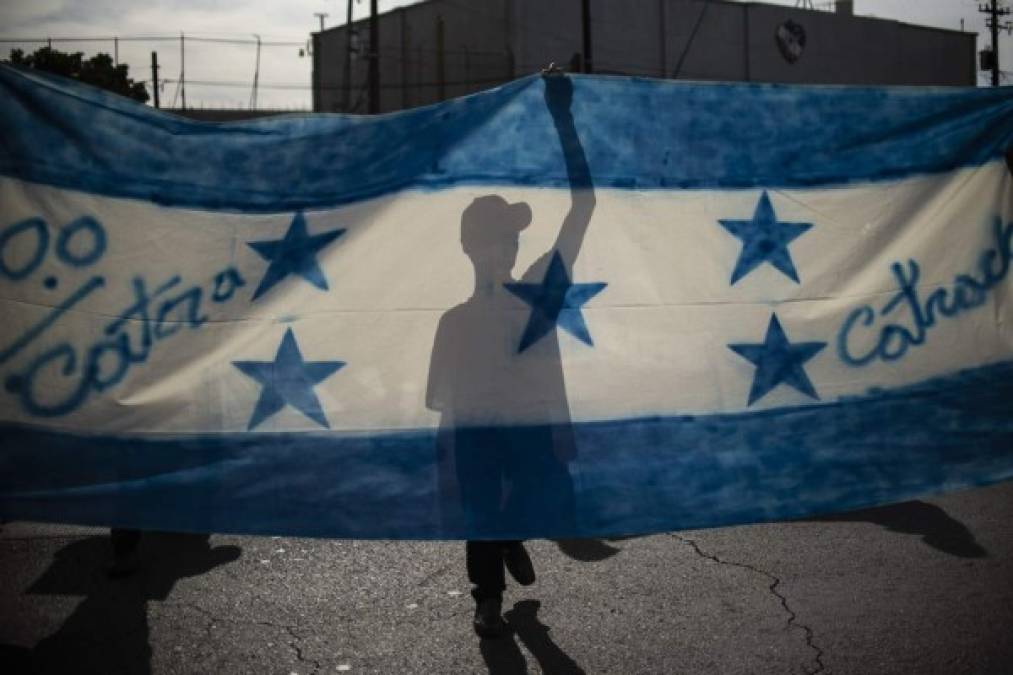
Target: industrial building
x,y
441,49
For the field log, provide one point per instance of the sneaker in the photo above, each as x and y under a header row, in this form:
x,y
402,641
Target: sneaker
x,y
518,563
489,622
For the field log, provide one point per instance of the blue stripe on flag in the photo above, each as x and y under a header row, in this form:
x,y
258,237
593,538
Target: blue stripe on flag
x,y
638,134
631,476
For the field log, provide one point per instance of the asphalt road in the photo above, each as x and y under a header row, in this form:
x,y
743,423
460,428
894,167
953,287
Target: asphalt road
x,y
922,587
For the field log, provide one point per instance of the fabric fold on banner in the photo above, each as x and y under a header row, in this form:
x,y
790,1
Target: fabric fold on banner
x,y
569,306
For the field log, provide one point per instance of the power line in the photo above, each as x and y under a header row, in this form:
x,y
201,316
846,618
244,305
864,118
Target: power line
x,y
236,41
307,87
153,38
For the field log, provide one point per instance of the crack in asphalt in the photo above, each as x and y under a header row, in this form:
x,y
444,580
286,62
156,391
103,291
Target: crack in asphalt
x,y
211,619
294,645
296,638
775,582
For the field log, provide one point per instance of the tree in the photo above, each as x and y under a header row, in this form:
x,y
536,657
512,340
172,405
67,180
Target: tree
x,y
98,70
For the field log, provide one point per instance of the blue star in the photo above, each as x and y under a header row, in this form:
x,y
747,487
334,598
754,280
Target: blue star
x,y
288,380
294,253
764,239
554,302
777,361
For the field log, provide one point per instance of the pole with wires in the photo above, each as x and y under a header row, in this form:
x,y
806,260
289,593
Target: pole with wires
x,y
347,93
182,70
586,29
994,25
154,77
256,76
994,11
374,58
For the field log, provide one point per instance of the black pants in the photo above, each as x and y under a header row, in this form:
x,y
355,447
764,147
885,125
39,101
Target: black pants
x,y
125,542
486,569
511,481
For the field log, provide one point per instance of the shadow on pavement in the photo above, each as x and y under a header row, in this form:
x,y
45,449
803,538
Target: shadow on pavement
x,y
108,631
593,550
937,528
503,656
586,550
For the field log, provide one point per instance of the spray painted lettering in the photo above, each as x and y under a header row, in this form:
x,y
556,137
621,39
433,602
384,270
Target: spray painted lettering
x,y
967,292
153,315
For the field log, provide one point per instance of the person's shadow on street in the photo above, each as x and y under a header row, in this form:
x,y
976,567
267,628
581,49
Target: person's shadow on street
x,y
587,550
503,656
108,632
937,528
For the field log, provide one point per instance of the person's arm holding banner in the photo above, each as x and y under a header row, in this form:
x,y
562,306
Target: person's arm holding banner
x,y
559,100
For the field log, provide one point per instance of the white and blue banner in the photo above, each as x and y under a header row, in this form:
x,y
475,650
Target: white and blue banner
x,y
569,306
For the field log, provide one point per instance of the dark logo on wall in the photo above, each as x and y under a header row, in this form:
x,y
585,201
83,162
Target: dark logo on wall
x,y
790,38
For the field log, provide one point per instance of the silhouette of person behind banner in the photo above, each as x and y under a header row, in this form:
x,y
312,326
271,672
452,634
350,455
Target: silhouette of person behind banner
x,y
496,377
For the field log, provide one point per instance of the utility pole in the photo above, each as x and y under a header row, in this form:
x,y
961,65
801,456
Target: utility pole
x,y
374,59
154,76
994,11
586,25
321,16
348,58
994,25
182,69
404,59
256,76
441,73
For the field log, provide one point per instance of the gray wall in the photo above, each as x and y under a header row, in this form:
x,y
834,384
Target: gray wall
x,y
860,50
476,55
486,42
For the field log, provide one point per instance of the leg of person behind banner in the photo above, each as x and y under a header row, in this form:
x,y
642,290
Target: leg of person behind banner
x,y
485,570
486,561
126,545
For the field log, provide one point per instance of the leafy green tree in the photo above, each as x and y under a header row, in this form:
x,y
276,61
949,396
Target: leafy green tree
x,y
98,70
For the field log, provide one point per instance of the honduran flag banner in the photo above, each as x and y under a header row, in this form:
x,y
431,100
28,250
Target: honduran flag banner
x,y
569,306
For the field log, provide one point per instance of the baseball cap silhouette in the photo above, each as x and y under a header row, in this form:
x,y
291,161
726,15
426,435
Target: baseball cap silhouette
x,y
491,220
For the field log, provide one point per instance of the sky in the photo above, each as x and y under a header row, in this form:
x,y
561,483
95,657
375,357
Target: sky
x,y
285,75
